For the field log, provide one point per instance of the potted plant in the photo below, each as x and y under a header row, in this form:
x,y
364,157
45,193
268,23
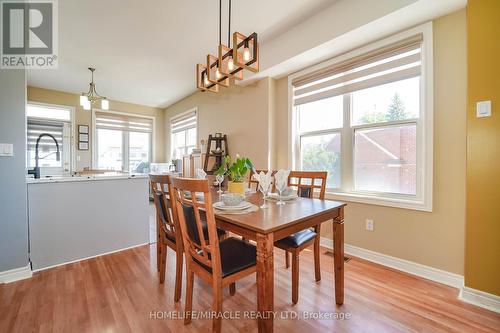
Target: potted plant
x,y
236,172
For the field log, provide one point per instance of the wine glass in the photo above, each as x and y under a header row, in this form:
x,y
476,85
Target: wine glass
x,y
280,186
219,179
264,188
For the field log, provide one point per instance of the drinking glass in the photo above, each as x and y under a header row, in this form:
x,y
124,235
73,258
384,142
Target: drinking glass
x,y
219,179
264,191
280,186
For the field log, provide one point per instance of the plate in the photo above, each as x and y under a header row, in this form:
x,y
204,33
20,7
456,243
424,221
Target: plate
x,y
244,205
275,196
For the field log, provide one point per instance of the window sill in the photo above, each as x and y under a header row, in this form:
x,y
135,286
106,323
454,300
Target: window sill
x,y
381,201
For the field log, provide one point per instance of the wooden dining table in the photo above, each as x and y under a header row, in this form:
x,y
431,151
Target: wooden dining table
x,y
268,225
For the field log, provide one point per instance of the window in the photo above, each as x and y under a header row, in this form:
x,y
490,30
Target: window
x,y
183,134
56,121
366,119
320,140
123,142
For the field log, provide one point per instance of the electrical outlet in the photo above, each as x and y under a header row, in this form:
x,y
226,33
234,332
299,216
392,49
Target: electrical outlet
x,y
369,225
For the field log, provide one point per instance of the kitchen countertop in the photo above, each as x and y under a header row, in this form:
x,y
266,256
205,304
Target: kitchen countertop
x,y
85,178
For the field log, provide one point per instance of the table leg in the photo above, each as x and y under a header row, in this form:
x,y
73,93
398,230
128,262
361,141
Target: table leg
x,y
265,282
338,254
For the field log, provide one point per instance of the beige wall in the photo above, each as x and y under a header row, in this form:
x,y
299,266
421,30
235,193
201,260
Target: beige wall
x,y
435,239
241,113
83,117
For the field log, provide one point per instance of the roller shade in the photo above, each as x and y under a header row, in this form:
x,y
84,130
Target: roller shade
x,y
183,122
46,143
112,121
396,62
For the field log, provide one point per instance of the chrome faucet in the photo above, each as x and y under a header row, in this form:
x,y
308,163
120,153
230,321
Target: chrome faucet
x,y
36,170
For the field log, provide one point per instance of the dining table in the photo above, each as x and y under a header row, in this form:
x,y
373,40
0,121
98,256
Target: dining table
x,y
267,225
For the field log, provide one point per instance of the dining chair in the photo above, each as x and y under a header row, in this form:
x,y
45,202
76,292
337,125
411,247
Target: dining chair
x,y
167,230
306,182
168,234
218,262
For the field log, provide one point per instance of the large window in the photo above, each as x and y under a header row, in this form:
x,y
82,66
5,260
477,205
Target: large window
x,y
183,134
56,121
123,142
363,120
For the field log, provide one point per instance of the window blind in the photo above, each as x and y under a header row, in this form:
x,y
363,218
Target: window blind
x,y
396,62
46,144
185,121
113,121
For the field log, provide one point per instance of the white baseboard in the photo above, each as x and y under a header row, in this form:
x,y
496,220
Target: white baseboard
x,y
427,272
16,274
480,298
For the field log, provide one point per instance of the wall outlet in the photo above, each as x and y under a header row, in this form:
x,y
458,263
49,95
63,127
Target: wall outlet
x,y
369,225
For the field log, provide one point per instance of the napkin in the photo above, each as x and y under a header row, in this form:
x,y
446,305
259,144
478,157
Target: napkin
x,y
281,178
264,179
201,174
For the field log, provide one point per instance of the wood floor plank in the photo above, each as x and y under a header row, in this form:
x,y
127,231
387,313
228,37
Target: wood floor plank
x,y
120,293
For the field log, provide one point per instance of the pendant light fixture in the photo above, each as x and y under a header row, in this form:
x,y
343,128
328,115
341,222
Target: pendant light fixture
x,y
231,61
91,97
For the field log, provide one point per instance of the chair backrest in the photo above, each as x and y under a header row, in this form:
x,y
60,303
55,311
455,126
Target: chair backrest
x,y
307,181
253,182
196,246
165,211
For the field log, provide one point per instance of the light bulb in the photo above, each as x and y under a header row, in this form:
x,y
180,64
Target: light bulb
x,y
83,100
105,104
205,81
230,64
86,105
246,54
217,74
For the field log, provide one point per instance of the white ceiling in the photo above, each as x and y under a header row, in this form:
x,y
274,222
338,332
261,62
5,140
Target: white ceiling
x,y
145,51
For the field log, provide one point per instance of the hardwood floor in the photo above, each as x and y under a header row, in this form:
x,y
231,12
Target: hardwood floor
x,y
120,293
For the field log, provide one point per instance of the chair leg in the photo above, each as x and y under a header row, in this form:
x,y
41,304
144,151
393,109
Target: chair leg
x,y
217,307
163,263
158,253
317,266
232,288
178,275
189,296
287,259
295,277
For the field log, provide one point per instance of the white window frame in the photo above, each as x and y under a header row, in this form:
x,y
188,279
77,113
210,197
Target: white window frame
x,y
172,149
423,200
68,150
125,138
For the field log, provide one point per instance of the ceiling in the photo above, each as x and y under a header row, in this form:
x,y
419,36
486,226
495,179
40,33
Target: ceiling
x,y
145,51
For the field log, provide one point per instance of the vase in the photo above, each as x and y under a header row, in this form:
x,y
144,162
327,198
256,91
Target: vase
x,y
236,187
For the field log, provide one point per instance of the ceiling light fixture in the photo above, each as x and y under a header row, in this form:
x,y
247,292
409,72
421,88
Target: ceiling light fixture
x,y
91,97
231,61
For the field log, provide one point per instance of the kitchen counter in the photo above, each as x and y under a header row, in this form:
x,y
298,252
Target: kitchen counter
x,y
74,218
85,178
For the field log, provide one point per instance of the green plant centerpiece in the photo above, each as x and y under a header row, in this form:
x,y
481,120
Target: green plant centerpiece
x,y
236,171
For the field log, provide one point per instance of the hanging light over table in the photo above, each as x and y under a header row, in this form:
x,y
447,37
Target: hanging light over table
x,y
244,54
